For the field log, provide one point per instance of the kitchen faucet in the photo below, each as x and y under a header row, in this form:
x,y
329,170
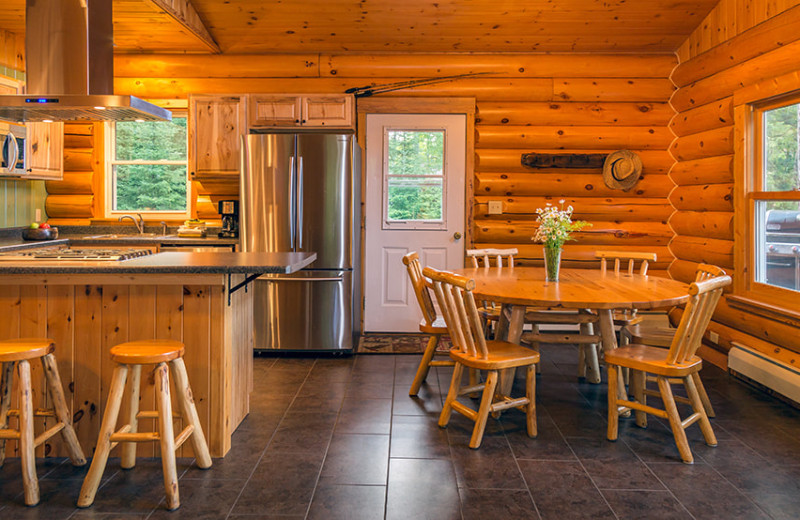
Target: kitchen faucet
x,y
138,223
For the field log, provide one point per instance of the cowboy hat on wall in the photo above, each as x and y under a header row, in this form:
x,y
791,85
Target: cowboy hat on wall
x,y
622,170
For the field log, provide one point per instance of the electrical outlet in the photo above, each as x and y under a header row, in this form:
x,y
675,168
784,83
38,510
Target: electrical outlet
x,y
713,336
38,215
495,207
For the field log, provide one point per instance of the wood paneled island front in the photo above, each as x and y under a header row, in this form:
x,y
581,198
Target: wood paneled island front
x,y
88,307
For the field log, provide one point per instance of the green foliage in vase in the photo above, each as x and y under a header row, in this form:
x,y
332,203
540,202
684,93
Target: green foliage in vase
x,y
556,225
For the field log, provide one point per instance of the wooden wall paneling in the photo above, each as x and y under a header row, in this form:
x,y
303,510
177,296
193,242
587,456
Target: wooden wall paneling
x,y
590,137
34,321
709,143
509,160
577,254
710,224
704,250
552,183
197,303
600,233
87,369
168,325
708,170
61,329
704,117
586,208
221,355
9,328
142,318
116,328
216,65
709,197
573,114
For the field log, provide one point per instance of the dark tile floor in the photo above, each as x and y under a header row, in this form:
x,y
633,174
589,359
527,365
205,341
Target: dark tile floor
x,y
331,438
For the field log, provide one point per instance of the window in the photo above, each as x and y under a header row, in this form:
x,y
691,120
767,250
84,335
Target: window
x,y
771,209
147,168
414,179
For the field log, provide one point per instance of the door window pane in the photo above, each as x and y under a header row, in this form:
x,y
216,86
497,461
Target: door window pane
x,y
414,177
781,138
778,243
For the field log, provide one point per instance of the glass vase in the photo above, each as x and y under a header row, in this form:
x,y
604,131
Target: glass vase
x,y
552,263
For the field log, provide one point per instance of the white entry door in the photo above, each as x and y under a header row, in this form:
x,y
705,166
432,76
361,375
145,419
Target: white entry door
x,y
414,202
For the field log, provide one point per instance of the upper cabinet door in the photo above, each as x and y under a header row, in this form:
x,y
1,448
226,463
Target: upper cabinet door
x,y
326,110
44,149
216,124
274,110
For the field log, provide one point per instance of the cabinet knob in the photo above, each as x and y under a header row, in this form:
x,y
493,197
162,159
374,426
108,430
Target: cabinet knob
x,y
296,120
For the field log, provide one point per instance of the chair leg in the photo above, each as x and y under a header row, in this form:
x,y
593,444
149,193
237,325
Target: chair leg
x,y
675,420
424,364
590,353
129,448
167,437
613,413
92,480
6,371
26,441
483,410
62,412
637,385
701,390
189,411
530,410
699,408
455,382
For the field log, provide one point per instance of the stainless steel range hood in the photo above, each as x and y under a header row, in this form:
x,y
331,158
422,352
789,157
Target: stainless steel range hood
x,y
70,67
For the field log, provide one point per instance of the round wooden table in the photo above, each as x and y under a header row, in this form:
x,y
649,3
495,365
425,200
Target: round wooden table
x,y
519,287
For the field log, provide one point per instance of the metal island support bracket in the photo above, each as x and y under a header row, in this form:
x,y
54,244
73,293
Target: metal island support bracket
x,y
244,283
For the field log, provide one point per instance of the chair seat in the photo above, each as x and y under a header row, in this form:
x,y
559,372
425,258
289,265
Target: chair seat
x,y
489,313
439,326
652,360
25,348
655,336
147,351
502,354
626,320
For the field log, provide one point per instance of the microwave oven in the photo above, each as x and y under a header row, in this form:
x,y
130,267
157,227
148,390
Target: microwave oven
x,y
12,159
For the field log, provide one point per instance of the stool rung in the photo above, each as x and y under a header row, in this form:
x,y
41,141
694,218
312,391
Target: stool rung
x,y
464,410
39,412
124,429
39,440
508,402
185,434
9,435
135,437
464,390
153,414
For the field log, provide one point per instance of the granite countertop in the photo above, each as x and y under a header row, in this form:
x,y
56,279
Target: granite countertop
x,y
176,263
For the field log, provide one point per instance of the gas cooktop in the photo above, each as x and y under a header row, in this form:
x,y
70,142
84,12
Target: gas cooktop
x,y
105,255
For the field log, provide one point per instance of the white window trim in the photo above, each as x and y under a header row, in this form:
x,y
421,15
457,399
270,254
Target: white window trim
x,y
428,225
110,139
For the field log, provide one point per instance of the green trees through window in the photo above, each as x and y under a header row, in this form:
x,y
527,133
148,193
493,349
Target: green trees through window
x,y
149,166
415,180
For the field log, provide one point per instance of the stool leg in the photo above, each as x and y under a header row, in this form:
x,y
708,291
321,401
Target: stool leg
x,y
189,411
167,437
92,480
62,413
26,443
5,403
129,448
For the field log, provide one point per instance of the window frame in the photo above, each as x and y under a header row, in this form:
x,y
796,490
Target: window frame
x,y
750,104
110,162
424,225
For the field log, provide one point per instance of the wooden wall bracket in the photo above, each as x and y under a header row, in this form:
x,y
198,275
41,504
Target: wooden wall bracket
x,y
563,160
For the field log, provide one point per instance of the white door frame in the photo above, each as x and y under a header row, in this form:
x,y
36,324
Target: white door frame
x,y
418,105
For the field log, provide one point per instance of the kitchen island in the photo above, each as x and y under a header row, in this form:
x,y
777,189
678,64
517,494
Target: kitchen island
x,y
86,307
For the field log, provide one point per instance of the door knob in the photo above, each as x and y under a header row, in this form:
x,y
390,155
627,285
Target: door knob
x,y
457,235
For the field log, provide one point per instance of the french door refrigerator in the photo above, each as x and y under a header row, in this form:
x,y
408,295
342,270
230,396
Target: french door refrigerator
x,y
297,193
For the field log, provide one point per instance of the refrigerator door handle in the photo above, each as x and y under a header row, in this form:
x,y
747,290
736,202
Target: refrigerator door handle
x,y
293,209
299,206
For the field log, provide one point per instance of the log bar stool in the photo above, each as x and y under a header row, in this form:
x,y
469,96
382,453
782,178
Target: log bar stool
x,y
21,351
133,355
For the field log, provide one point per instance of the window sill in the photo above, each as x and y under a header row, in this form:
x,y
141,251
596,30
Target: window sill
x,y
765,310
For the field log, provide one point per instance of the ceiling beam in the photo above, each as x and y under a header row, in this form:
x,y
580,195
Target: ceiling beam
x,y
184,13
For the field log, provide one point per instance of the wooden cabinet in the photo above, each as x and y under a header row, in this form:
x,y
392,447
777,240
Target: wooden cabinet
x,y
44,151
216,124
306,110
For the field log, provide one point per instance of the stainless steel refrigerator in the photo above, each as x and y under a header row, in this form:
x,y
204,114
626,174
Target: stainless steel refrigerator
x,y
298,193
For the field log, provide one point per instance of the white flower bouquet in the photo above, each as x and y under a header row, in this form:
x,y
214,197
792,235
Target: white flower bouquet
x,y
556,225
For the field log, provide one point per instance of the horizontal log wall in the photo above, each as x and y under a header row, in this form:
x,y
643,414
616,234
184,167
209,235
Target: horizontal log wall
x,y
553,103
74,199
739,44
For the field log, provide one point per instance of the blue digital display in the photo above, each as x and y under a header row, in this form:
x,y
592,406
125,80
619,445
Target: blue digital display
x,y
41,100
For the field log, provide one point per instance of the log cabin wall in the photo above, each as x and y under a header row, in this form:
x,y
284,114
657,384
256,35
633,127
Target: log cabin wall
x,y
75,199
739,44
555,103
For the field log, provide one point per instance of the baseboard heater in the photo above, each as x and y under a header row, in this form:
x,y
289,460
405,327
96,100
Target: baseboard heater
x,y
771,373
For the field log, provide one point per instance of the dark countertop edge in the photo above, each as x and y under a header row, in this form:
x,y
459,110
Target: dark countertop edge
x,y
130,240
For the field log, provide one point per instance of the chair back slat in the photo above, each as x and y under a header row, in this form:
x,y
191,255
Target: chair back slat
x,y
706,271
454,294
629,258
501,256
414,268
703,298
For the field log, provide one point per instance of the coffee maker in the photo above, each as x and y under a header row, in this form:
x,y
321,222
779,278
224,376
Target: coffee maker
x,y
229,209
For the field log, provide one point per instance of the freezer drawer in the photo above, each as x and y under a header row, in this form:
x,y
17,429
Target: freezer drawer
x,y
309,310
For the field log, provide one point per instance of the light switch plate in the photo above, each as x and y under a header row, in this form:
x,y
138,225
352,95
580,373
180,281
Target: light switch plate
x,y
38,216
495,207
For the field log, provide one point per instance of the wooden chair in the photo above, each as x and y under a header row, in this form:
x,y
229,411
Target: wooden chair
x,y
472,350
20,352
430,324
663,336
679,362
166,355
489,311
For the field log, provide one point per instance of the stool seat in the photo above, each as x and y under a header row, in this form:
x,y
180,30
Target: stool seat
x,y
25,348
147,352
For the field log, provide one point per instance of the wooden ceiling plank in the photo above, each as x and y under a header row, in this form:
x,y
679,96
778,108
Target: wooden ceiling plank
x,y
184,13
